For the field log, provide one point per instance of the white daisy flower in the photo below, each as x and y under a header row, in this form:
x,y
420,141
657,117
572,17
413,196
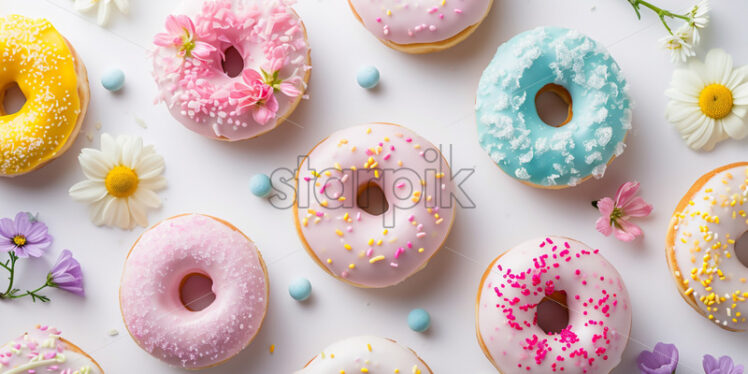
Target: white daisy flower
x,y
709,101
680,44
699,15
104,10
122,178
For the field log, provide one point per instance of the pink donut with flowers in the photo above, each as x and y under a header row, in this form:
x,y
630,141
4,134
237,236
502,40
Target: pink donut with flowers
x,y
188,66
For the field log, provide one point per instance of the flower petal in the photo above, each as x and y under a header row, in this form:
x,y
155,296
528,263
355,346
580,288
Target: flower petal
x,y
718,66
603,226
147,198
627,231
102,17
7,228
626,192
606,206
95,164
138,212
637,207
88,191
123,6
735,127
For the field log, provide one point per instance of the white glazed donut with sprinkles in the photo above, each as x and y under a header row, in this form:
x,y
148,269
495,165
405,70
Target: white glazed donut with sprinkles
x,y
366,354
357,245
704,230
568,272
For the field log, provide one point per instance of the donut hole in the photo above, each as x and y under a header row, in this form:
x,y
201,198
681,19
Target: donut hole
x,y
233,63
552,313
13,99
371,199
196,292
554,105
741,249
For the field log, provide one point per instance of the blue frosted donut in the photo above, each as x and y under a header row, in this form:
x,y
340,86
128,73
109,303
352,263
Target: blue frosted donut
x,y
510,129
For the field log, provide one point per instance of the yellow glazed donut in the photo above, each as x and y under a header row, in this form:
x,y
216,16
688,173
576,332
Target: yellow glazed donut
x,y
53,79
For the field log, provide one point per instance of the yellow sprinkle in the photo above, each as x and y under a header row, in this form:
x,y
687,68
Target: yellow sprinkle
x,y
352,266
347,246
340,233
368,346
371,241
368,131
323,203
420,250
329,261
272,348
364,370
384,232
376,259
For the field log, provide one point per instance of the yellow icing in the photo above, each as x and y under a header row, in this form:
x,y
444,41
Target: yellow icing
x,y
35,56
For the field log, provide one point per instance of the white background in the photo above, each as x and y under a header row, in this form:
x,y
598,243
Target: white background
x,y
432,94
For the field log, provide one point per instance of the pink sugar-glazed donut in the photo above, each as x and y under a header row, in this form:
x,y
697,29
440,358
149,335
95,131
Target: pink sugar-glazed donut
x,y
358,245
188,66
150,300
421,26
570,273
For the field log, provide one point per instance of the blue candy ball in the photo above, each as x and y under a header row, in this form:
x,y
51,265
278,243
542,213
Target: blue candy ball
x,y
113,79
368,77
300,289
419,320
260,185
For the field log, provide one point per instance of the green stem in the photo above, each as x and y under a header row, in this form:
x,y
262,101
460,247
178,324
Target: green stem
x,y
661,13
34,294
9,292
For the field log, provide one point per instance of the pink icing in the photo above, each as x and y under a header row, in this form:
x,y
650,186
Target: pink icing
x,y
419,21
598,303
271,39
364,249
149,292
42,350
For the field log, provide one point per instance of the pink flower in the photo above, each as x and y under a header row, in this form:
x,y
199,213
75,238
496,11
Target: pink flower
x,y
180,33
615,214
255,96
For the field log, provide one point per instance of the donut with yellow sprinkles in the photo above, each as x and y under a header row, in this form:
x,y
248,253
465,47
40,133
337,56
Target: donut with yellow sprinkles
x,y
705,228
53,79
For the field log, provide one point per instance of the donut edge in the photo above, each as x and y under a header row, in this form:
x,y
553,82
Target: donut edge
x,y
670,238
313,254
396,342
424,48
262,263
74,348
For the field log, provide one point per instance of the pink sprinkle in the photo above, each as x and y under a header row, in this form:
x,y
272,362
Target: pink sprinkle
x,y
392,148
410,245
387,157
432,28
458,11
322,190
433,10
420,234
344,178
307,179
419,227
411,218
369,252
394,265
400,185
369,152
441,16
398,252
379,19
320,214
349,228
358,216
408,140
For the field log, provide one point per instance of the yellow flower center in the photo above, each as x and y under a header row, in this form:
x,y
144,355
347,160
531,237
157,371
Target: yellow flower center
x,y
19,240
716,101
121,181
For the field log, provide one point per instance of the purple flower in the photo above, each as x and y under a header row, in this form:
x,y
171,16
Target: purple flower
x,y
23,236
66,274
722,366
663,360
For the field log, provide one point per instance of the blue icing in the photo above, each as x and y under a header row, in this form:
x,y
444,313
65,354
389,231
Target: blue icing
x,y
513,134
